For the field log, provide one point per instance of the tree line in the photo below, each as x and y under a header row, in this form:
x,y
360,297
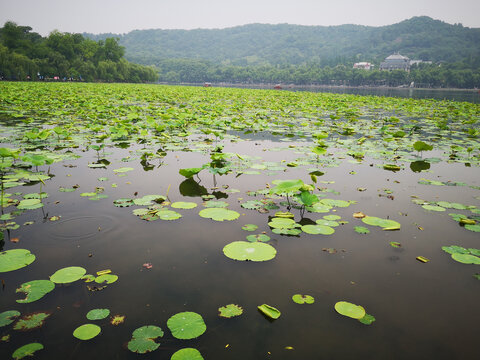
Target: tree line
x,y
26,55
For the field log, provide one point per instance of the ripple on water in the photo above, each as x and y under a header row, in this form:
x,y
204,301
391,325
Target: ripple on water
x,y
83,227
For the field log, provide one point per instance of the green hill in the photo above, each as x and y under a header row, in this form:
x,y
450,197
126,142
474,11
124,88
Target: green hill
x,y
260,44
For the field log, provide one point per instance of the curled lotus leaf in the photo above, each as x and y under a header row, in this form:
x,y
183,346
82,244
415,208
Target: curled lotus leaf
x,y
86,331
8,317
15,259
187,354
269,311
184,205
143,339
98,314
249,251
303,299
26,350
219,214
351,310
186,325
386,224
318,229
68,275
230,310
35,290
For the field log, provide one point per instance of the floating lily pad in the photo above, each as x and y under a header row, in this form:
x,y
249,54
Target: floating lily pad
x,y
29,204
247,251
183,205
474,228
303,299
31,321
168,215
258,237
35,290
98,314
332,217
229,311
68,275
319,208
87,331
7,317
122,170
270,311
15,259
216,204
333,202
187,354
186,325
466,258
351,310
318,229
455,249
386,224
249,227
433,207
252,204
330,223
361,230
143,339
282,223
219,214
107,278
26,350
123,202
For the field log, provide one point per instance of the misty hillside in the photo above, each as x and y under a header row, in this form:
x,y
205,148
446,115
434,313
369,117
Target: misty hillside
x,y
418,38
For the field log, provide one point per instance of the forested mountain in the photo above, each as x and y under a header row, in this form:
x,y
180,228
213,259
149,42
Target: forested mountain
x,y
259,44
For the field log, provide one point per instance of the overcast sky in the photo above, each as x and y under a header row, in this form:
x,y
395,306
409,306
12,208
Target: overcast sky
x,y
122,16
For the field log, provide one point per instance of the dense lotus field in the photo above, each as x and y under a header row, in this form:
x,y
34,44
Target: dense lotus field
x,y
211,223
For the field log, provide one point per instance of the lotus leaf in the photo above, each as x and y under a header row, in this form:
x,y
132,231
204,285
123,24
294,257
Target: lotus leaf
x,y
455,249
258,237
286,186
215,204
106,278
474,228
269,311
466,258
475,252
29,204
219,214
293,232
186,325
351,310
35,290
249,227
143,339
318,229
32,321
361,230
26,350
333,202
87,331
230,310
246,251
98,314
282,223
68,275
183,205
122,170
189,172
15,259
140,212
324,222
252,204
319,208
332,217
421,146
168,215
303,299
7,317
433,207
187,354
123,202
386,224
367,319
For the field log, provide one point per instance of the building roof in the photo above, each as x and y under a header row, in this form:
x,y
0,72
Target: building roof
x,y
397,57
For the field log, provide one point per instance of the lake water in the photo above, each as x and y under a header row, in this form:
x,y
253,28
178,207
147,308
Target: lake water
x,y
422,310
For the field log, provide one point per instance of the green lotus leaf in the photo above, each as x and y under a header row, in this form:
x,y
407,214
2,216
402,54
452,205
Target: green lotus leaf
x,y
35,290
42,195
189,172
87,331
466,258
187,354
330,223
26,350
293,232
186,325
29,204
475,252
143,339
319,208
140,212
258,237
270,311
8,317
307,199
303,299
106,278
333,202
87,194
168,215
98,314
123,202
421,146
386,224
318,229
247,251
68,275
31,321
332,217
455,249
351,310
184,205
252,204
15,259
433,207
282,223
249,227
361,230
474,228
367,319
122,170
219,214
286,186
230,310
216,204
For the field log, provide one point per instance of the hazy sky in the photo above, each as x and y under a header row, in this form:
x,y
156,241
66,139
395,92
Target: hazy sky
x,y
121,16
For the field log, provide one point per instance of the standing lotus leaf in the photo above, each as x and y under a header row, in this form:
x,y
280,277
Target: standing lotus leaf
x,y
26,350
248,251
270,311
303,299
186,325
187,354
7,317
230,310
143,339
219,214
35,290
351,310
68,275
15,259
98,314
87,331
